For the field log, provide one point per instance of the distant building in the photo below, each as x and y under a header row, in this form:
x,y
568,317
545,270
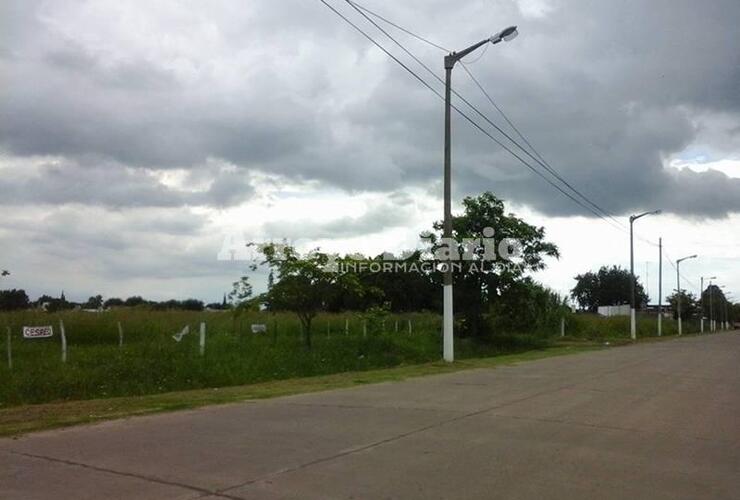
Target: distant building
x,y
623,310
653,309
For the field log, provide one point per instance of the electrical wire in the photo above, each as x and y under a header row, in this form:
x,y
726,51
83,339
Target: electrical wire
x,y
603,214
408,32
476,110
539,159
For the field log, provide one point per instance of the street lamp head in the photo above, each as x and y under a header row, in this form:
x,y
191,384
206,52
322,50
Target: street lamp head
x,y
509,33
506,35
653,212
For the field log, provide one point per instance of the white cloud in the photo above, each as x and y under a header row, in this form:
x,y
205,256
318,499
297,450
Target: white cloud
x,y
535,8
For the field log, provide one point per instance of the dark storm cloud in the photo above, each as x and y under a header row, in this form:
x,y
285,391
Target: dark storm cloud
x,y
606,90
139,243
59,182
394,213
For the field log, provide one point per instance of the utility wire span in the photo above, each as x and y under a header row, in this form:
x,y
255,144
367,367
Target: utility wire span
x,y
541,160
458,110
546,165
602,213
401,28
689,283
464,115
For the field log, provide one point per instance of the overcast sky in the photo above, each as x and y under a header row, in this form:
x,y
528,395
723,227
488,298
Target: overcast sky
x,y
134,136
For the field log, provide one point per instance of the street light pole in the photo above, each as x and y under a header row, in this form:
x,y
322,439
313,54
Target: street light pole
x,y
633,315
448,345
678,288
660,287
701,300
711,307
701,305
728,308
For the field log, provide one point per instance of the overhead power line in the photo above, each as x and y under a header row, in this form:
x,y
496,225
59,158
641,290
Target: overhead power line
x,y
475,109
401,28
594,208
603,215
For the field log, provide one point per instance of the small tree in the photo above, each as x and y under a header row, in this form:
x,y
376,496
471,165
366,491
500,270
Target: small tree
x,y
134,301
689,307
192,305
11,300
113,302
610,286
305,284
241,291
95,302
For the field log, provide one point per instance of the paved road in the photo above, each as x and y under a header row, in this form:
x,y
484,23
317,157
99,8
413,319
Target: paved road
x,y
655,421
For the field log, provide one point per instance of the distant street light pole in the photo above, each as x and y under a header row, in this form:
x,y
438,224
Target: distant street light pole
x,y
450,60
730,321
701,300
678,288
660,287
633,317
711,306
723,323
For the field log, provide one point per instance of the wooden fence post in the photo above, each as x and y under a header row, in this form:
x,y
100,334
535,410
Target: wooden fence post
x,y
120,335
562,327
10,352
202,338
64,341
409,327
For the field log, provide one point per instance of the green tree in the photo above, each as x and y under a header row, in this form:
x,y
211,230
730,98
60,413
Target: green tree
x,y
479,231
527,306
305,284
113,302
689,305
11,300
134,301
241,291
95,302
609,286
713,302
412,289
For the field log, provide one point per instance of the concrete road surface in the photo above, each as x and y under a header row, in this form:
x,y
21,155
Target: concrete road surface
x,y
658,421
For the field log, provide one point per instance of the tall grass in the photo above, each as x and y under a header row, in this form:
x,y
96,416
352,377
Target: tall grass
x,y
150,361
594,327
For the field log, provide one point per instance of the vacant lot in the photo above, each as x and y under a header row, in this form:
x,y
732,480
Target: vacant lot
x,y
150,361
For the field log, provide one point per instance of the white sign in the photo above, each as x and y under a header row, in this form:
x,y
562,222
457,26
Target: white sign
x,y
257,328
37,332
179,335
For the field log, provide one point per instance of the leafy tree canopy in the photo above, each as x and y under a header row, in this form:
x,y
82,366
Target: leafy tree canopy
x,y
610,286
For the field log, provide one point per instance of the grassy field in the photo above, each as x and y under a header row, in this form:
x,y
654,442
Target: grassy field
x,y
22,419
151,362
